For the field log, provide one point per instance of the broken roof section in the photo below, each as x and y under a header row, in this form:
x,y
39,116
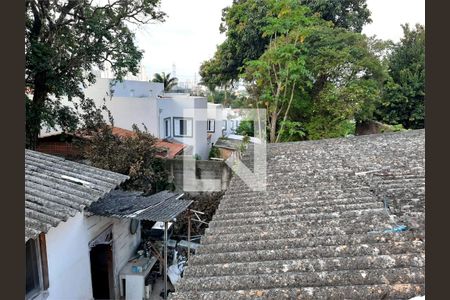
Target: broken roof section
x,y
326,228
161,207
56,189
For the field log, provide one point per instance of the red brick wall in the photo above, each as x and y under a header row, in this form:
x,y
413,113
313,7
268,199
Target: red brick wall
x,y
58,148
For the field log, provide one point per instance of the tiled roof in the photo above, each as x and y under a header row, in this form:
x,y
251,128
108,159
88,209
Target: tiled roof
x,y
62,148
160,207
56,189
173,149
330,225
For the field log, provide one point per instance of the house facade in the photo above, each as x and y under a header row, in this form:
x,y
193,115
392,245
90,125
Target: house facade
x,y
180,117
70,253
82,233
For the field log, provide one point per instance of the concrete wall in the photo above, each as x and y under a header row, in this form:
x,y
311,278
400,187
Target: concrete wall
x,y
204,169
68,254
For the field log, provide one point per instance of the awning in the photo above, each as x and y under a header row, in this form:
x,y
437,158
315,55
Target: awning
x,y
160,207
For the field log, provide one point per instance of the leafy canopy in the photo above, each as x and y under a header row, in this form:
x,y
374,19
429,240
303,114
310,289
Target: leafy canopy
x,y
313,77
243,24
404,96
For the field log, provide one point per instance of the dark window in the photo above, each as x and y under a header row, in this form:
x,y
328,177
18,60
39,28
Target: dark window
x,y
33,283
167,127
183,126
211,125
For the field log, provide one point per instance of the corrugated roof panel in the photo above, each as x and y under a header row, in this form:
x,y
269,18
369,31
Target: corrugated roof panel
x,y
329,225
55,189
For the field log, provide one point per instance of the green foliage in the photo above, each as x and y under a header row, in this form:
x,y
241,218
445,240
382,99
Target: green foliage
x,y
246,127
323,127
404,93
347,14
392,128
134,156
214,152
292,131
169,82
222,97
244,22
64,40
243,145
313,72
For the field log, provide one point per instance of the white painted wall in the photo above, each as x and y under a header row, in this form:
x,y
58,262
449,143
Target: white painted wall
x,y
233,118
132,102
68,254
183,106
215,112
68,260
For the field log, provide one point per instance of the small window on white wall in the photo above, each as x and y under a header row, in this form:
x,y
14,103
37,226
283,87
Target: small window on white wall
x,y
167,127
211,125
36,267
225,124
182,127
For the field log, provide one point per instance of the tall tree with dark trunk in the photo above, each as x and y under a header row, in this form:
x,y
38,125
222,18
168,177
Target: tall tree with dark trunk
x,y
64,40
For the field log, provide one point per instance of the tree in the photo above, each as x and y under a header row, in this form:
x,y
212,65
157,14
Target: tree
x,y
347,81
169,82
348,14
243,24
313,77
135,156
64,40
404,93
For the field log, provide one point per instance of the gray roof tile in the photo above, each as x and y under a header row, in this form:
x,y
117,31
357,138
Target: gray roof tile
x,y
323,227
56,189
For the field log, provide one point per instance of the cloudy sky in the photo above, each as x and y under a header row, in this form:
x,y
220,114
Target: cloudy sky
x,y
190,33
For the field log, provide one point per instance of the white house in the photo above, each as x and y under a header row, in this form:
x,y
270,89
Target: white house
x,y
215,122
186,119
78,236
232,118
64,244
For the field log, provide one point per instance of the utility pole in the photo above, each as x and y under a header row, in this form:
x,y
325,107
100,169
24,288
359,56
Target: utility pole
x,y
165,260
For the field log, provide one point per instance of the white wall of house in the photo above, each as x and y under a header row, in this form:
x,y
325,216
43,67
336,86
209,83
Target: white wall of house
x,y
182,107
68,260
232,117
68,254
216,114
132,102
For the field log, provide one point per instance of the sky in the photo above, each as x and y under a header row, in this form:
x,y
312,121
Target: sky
x,y
191,34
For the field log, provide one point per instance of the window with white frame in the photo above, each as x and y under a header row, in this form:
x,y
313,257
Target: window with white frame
x,y
36,267
167,127
182,127
211,125
225,122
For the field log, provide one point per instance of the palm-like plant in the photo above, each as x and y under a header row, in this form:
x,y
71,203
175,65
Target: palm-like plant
x,y
169,82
